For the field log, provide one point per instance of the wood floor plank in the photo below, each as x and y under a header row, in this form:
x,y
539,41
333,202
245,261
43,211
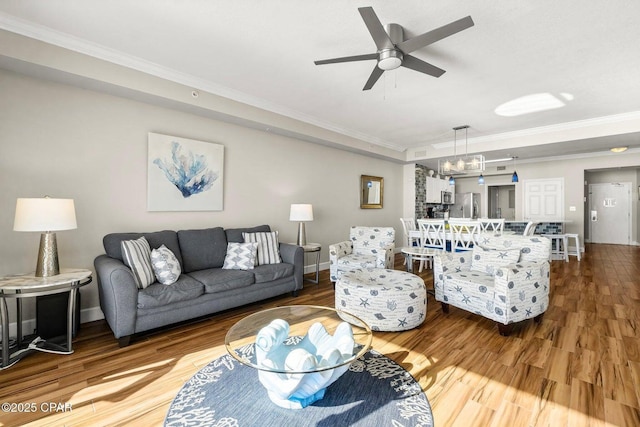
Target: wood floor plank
x,y
579,367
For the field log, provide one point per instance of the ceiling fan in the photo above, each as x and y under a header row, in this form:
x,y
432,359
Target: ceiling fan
x,y
393,49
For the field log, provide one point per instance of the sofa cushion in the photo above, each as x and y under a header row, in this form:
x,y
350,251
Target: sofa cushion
x,y
235,234
137,256
268,246
165,265
240,256
168,238
219,280
202,249
487,260
268,272
158,295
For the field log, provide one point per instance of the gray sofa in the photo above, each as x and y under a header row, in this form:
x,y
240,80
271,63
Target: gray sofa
x,y
203,288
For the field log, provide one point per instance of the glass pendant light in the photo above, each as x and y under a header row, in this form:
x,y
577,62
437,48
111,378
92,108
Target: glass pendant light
x,y
452,181
514,177
481,180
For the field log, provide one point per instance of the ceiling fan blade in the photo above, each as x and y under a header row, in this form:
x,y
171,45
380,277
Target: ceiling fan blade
x,y
419,65
433,36
380,36
373,78
347,59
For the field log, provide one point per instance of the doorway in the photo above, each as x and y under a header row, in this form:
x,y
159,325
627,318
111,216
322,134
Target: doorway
x,y
610,213
502,202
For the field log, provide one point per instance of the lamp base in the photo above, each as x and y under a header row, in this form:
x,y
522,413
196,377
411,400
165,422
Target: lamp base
x,y
47,256
302,235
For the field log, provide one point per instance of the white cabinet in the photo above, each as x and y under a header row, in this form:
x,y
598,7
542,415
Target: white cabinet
x,y
433,190
435,187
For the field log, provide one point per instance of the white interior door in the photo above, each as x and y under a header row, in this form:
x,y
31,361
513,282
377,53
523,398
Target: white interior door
x,y
610,213
544,199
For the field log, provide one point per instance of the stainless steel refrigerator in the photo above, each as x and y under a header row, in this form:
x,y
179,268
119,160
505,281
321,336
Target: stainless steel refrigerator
x,y
467,205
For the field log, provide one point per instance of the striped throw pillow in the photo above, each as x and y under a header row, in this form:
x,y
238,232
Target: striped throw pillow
x,y
268,249
137,256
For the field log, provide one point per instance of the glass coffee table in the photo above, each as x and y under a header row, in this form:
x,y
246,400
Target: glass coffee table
x,y
298,350
417,253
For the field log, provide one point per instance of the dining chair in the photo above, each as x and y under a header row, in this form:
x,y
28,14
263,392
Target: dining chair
x,y
530,229
408,225
492,225
432,236
463,232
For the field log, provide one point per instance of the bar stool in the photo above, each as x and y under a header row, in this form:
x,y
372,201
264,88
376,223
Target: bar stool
x,y
558,246
577,242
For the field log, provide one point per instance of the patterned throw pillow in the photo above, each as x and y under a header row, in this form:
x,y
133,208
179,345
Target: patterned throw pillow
x,y
240,256
488,260
268,248
165,265
137,256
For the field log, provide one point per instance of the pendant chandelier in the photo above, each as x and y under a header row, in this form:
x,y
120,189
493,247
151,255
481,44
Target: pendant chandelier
x,y
514,177
464,164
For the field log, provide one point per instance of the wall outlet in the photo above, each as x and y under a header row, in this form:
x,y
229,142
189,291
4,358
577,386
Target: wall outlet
x,y
572,208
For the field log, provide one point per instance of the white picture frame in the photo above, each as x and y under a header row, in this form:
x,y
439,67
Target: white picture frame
x,y
184,174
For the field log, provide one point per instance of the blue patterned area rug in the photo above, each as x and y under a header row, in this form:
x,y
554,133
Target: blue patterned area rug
x,y
375,391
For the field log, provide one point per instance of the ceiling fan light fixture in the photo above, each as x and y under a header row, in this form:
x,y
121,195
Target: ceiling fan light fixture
x,y
390,59
393,50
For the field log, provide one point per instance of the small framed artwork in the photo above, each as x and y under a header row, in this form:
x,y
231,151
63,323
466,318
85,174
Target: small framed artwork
x,y
184,174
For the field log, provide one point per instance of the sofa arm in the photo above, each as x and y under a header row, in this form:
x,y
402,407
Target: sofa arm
x,y
118,295
385,257
448,261
522,290
336,251
294,254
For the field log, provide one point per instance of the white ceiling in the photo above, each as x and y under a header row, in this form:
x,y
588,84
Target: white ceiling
x,y
262,52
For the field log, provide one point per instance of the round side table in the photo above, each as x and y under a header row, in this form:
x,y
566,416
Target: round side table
x,y
314,248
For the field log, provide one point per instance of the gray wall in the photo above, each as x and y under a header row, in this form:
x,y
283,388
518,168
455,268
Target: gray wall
x,y
67,142
615,175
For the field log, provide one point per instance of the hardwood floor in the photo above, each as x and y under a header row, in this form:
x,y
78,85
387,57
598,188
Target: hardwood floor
x,y
579,367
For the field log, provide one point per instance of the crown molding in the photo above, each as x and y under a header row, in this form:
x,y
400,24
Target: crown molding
x,y
550,129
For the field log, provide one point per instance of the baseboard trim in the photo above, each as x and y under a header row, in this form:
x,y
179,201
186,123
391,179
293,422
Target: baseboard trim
x,y
312,268
90,314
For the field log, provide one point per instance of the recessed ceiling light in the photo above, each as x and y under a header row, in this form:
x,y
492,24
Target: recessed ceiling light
x,y
531,104
619,149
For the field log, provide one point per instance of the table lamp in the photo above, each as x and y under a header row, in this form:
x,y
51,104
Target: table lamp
x,y
301,213
45,215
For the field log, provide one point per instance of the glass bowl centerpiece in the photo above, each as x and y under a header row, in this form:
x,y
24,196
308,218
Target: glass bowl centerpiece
x,y
298,350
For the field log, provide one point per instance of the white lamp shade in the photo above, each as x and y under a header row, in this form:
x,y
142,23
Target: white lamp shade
x,y
301,212
45,214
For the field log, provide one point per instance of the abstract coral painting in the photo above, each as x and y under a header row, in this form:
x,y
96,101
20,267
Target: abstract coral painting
x,y
184,174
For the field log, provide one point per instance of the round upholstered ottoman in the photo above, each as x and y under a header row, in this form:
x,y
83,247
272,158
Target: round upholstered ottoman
x,y
387,300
